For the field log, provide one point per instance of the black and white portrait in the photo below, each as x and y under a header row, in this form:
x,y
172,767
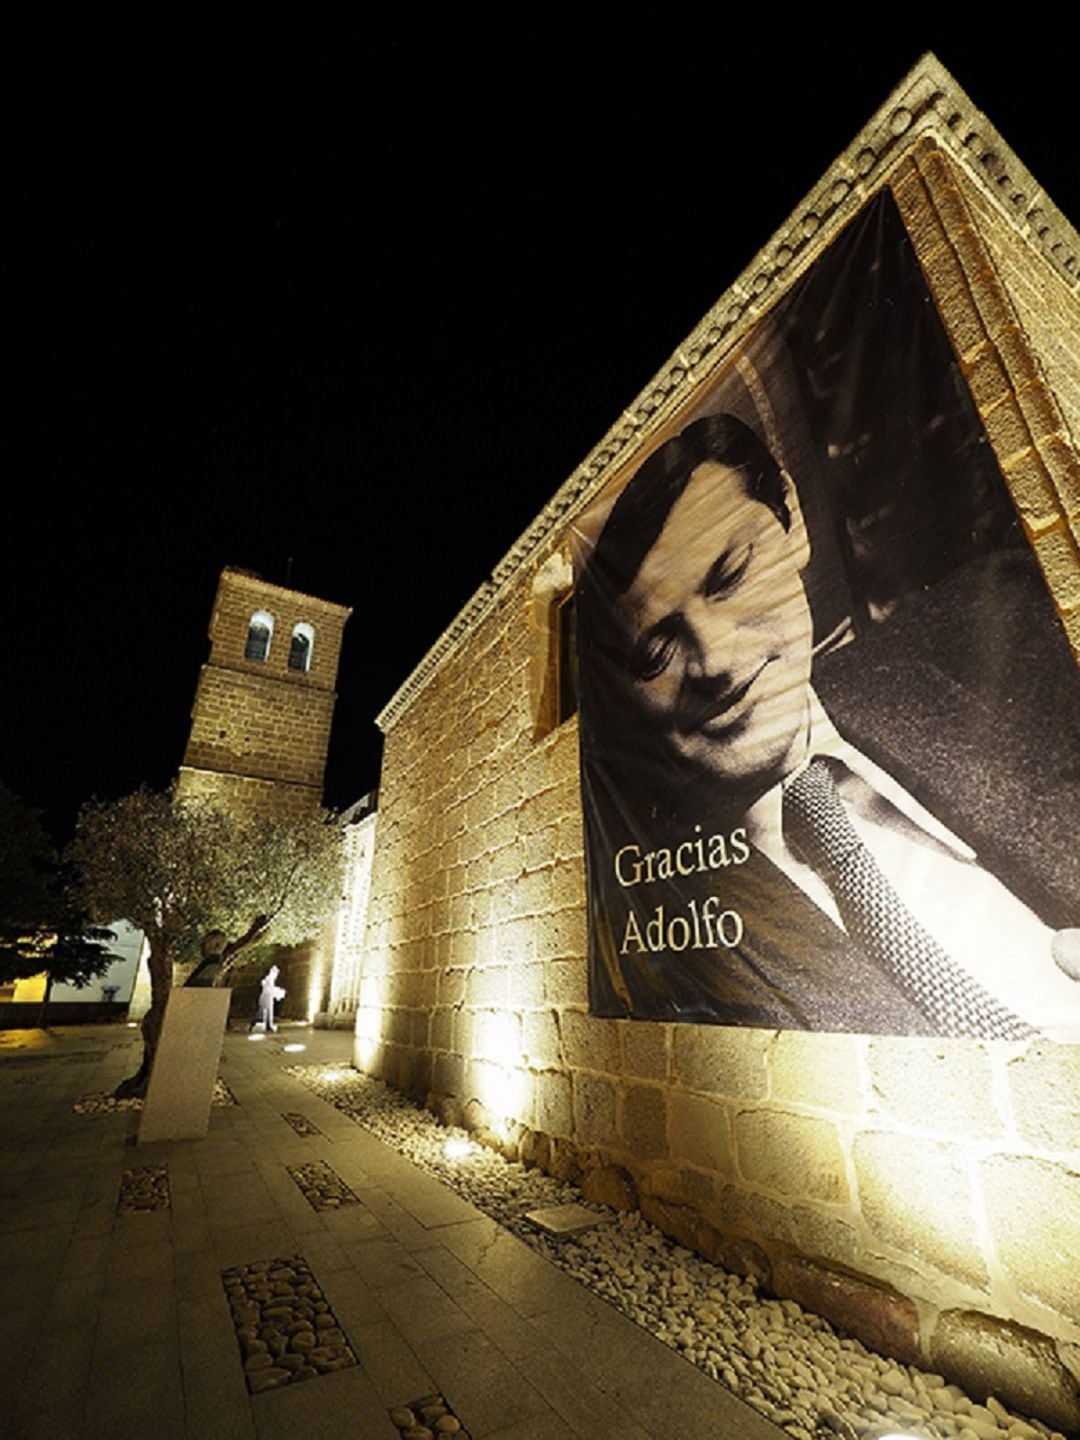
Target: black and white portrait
x,y
829,721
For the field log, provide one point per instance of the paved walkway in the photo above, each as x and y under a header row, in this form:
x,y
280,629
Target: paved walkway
x,y
117,1325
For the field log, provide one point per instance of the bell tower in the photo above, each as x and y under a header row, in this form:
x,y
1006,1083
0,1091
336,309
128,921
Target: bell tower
x,y
260,724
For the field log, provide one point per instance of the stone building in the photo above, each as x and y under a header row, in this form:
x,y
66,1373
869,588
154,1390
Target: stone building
x,y
923,1192
260,727
260,724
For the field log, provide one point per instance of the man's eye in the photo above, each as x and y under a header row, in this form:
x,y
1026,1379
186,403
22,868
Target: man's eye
x,y
652,655
727,570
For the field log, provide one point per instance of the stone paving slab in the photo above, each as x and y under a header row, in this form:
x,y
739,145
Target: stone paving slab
x,y
129,1325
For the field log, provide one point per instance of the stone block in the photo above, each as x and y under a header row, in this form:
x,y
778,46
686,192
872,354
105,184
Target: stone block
x,y
540,1039
177,1105
609,1185
489,985
796,1155
566,983
700,1132
643,1122
645,1049
882,1319
935,1084
683,1224
561,936
448,1074
915,1195
1045,1087
1020,1367
590,1043
535,1149
749,1213
568,885
816,1070
1031,490
1033,1207
1060,565
824,1236
594,1110
720,1060
497,1036
554,1104
698,1188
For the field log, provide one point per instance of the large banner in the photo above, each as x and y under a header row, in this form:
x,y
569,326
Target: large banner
x,y
830,724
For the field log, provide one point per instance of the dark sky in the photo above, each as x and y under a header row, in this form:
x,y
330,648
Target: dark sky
x,y
363,297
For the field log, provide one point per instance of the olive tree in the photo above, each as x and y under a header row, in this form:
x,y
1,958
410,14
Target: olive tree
x,y
200,880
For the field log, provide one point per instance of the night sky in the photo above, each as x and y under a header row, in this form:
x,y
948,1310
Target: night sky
x,y
359,299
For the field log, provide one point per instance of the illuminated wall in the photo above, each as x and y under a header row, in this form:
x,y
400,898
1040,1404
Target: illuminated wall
x,y
925,1194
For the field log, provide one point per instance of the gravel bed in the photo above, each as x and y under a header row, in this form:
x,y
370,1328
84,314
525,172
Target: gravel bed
x,y
428,1418
301,1124
794,1367
143,1188
284,1326
104,1102
321,1186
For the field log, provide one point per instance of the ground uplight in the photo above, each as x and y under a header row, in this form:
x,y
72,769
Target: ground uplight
x,y
457,1147
294,1047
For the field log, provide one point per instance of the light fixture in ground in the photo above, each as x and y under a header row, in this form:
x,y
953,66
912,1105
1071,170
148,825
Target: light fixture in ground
x,y
332,1075
256,1035
294,1047
457,1147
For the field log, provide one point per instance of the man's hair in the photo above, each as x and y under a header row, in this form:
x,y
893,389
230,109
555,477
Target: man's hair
x,y
640,512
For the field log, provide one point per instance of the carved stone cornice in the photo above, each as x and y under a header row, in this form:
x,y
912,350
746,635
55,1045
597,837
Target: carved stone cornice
x,y
927,102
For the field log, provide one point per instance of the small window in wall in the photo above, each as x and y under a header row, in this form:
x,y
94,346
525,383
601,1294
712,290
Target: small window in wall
x,y
301,646
260,630
552,651
565,619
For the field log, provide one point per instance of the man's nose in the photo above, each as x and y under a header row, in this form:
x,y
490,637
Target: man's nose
x,y
709,642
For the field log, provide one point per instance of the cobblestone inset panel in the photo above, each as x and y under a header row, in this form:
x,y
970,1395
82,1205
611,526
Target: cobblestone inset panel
x,y
143,1187
300,1123
104,1102
322,1187
427,1419
285,1328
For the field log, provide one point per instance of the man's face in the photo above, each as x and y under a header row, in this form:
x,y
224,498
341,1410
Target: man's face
x,y
720,634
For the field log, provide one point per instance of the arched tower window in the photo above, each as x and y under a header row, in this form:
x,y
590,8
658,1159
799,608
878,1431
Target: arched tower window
x,y
301,646
260,630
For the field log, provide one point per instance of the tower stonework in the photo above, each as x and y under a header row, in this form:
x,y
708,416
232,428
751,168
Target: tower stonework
x,y
260,723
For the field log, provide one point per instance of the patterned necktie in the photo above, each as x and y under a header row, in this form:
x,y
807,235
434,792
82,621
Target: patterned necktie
x,y
877,919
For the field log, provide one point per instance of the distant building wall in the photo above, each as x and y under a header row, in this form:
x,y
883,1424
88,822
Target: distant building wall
x,y
925,1194
348,941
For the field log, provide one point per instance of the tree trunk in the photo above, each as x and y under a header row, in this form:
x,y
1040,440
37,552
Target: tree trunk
x,y
160,967
230,953
44,1015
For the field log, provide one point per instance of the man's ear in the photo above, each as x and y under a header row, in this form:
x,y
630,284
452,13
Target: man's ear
x,y
798,537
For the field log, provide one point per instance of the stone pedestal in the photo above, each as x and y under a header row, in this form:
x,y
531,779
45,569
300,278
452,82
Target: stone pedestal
x,y
185,1067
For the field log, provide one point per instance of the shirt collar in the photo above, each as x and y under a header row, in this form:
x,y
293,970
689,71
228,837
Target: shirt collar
x,y
763,819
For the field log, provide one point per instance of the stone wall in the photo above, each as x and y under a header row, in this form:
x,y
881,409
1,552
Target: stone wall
x,y
924,1194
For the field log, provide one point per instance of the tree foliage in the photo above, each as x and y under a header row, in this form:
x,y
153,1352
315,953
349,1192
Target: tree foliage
x,y
188,872
40,927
